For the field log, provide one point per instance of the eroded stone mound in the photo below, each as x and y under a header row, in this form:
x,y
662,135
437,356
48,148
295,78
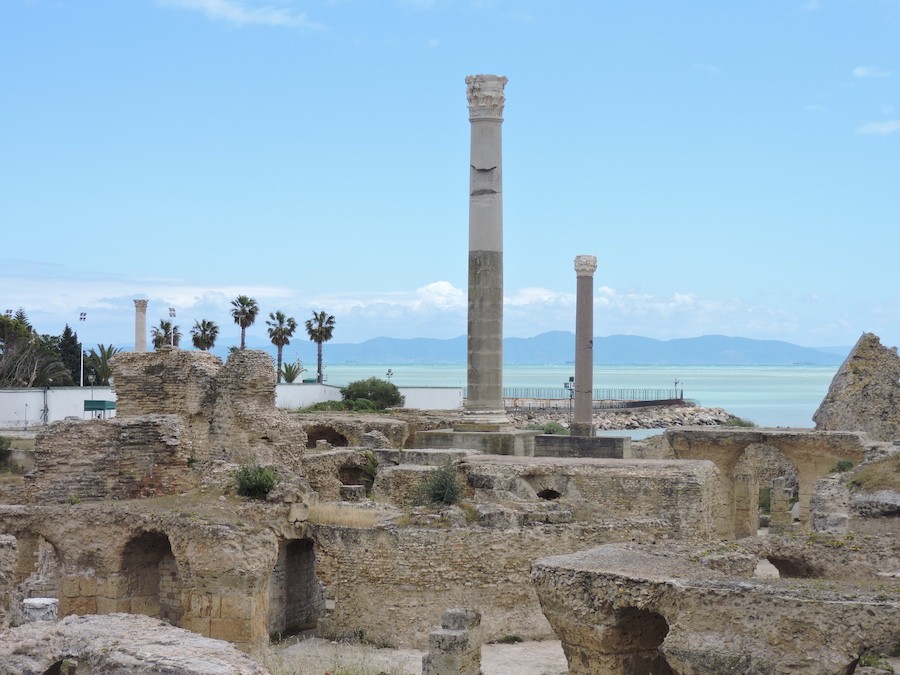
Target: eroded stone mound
x,y
117,644
865,392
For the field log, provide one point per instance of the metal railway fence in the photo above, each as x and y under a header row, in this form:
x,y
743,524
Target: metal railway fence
x,y
535,398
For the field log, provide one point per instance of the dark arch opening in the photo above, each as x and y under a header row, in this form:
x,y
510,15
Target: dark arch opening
x,y
152,582
641,634
549,493
296,600
795,568
323,433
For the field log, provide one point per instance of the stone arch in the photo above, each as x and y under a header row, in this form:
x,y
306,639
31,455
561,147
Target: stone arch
x,y
322,432
633,642
773,474
38,566
296,600
795,568
152,581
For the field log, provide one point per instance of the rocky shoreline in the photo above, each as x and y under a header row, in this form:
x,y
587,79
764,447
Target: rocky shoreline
x,y
653,417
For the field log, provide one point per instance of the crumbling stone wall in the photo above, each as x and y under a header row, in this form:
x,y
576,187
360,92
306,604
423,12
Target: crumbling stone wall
x,y
865,392
120,458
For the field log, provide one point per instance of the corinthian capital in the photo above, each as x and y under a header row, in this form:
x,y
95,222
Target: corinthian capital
x,y
485,95
585,265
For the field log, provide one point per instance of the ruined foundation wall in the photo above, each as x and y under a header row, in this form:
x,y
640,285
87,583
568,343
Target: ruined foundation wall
x,y
416,573
121,458
8,558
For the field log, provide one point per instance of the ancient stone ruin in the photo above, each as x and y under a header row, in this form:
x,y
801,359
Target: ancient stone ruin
x,y
865,393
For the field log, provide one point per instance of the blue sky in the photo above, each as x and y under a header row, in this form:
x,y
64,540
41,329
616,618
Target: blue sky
x,y
734,166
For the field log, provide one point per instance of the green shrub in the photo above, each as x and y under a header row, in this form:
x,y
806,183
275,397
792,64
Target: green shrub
x,y
381,393
552,428
841,466
441,486
5,451
765,499
255,481
362,404
326,406
370,470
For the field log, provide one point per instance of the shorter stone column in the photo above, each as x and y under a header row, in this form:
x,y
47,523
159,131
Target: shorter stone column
x,y
746,505
455,648
140,325
583,424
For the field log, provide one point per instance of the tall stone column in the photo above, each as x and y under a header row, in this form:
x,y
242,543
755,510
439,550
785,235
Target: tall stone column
x,y
582,425
484,402
140,325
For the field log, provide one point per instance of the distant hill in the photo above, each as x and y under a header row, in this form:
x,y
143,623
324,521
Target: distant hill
x,y
559,347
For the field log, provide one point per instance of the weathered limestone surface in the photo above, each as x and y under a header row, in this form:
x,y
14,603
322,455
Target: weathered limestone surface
x,y
118,644
8,557
865,392
627,609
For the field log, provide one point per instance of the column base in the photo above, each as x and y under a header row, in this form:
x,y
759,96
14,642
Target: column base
x,y
581,429
484,420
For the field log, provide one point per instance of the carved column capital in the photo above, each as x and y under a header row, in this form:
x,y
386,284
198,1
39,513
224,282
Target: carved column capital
x,y
485,96
585,265
141,305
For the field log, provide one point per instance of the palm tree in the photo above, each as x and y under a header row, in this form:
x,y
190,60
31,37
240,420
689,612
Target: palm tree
x,y
204,334
291,371
320,329
165,334
244,312
281,330
99,359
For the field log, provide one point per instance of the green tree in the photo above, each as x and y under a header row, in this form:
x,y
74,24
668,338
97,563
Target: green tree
x,y
70,352
381,393
291,371
320,330
26,358
281,330
244,311
99,361
204,334
166,333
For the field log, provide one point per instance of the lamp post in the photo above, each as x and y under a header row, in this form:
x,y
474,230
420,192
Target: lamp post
x,y
81,319
172,332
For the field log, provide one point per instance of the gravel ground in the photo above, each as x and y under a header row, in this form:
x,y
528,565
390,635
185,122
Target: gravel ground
x,y
315,656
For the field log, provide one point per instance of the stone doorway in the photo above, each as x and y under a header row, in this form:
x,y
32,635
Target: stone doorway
x,y
634,642
296,600
152,582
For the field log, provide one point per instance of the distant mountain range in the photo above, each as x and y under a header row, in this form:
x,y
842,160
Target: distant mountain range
x,y
559,347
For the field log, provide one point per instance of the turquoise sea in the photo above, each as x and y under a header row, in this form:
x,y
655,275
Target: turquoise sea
x,y
770,396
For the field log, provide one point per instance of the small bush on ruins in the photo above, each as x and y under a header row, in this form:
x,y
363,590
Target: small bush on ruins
x,y
440,486
325,406
382,393
552,428
842,465
255,481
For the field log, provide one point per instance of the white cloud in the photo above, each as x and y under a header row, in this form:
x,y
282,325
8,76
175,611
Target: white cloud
x,y
870,71
242,12
880,128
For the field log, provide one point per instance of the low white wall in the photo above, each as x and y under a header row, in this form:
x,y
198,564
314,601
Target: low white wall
x,y
23,408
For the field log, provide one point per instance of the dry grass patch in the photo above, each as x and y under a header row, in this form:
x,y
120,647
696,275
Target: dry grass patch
x,y
881,475
344,516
